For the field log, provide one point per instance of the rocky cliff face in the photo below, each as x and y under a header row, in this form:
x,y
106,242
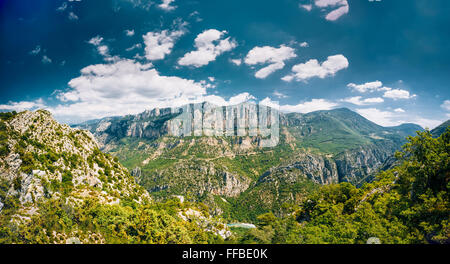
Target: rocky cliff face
x,y
45,160
324,147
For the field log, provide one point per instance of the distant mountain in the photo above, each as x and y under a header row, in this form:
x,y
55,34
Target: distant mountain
x,y
439,130
227,172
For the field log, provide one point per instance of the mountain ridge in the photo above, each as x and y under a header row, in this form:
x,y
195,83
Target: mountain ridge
x,y
327,146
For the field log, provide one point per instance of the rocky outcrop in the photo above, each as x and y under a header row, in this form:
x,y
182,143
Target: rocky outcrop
x,y
190,177
319,169
355,166
47,160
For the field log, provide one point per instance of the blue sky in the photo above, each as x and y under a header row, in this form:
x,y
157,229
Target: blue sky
x,y
82,59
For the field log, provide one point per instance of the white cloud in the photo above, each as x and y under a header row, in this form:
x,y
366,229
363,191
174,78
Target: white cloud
x,y
110,80
36,50
274,56
129,87
339,8
97,40
377,86
160,44
236,61
129,33
446,105
266,71
268,102
62,7
269,54
209,45
387,118
24,105
366,87
398,94
279,95
305,107
123,87
427,123
46,60
306,7
383,118
101,48
313,68
165,5
135,46
358,101
337,13
330,3
304,44
399,110
72,16
240,98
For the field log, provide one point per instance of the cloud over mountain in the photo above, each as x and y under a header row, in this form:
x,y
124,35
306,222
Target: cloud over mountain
x,y
209,44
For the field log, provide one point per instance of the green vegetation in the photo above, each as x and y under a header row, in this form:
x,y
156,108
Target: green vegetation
x,y
407,204
93,222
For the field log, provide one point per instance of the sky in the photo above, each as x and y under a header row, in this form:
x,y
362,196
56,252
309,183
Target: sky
x,y
387,60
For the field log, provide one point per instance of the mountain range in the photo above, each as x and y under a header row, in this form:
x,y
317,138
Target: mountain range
x,y
235,175
132,181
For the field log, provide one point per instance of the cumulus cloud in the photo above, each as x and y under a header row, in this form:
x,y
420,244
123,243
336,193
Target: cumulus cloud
x,y
342,8
312,68
124,86
128,87
36,50
337,13
398,94
62,7
275,57
46,60
159,44
446,105
383,118
102,49
210,44
23,105
334,8
165,5
377,86
97,40
135,46
305,107
72,16
304,44
129,32
396,117
367,87
399,110
236,62
306,7
279,95
357,100
110,80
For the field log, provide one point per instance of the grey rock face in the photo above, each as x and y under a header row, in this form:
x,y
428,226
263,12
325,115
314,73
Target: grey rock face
x,y
325,146
317,168
356,165
57,153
